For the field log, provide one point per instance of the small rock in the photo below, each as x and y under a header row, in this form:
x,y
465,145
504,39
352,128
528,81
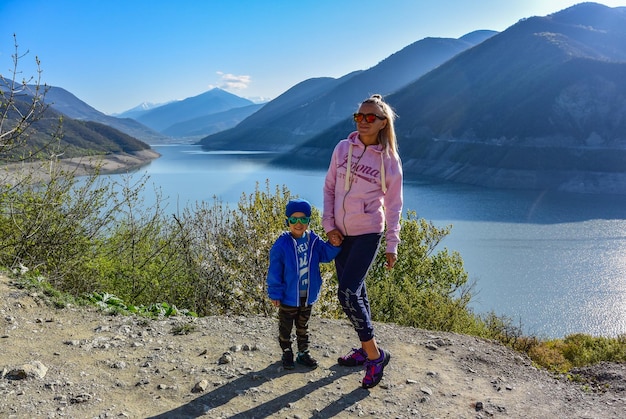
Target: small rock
x,y
33,370
120,365
200,386
226,358
81,398
142,382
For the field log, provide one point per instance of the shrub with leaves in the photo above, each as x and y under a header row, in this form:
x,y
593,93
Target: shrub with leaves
x,y
427,287
227,250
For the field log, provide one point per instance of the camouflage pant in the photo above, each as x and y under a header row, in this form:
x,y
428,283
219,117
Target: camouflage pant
x,y
287,317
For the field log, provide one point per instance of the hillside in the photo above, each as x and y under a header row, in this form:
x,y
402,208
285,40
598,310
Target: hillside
x,y
316,104
201,126
214,101
537,106
55,133
69,105
78,362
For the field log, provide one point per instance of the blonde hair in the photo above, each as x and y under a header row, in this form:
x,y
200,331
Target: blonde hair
x,y
387,135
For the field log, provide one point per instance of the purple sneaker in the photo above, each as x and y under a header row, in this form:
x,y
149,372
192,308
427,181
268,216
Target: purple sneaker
x,y
353,358
374,369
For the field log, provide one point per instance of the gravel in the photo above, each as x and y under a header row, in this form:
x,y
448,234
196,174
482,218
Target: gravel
x,y
78,362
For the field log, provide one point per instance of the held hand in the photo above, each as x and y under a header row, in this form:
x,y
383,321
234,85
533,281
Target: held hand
x,y
391,260
335,237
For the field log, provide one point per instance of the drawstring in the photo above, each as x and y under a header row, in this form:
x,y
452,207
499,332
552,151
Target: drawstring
x,y
383,184
346,185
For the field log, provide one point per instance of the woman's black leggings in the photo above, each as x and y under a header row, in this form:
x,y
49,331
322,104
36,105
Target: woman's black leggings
x,y
352,263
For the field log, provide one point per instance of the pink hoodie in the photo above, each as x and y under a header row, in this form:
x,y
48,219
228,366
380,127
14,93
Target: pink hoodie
x,y
369,196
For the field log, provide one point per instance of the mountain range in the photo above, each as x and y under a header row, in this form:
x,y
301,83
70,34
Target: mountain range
x,y
316,104
209,103
537,106
541,105
69,105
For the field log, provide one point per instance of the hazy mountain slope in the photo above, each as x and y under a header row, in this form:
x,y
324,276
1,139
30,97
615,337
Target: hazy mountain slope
x,y
208,124
539,105
138,110
278,126
265,127
509,85
211,102
68,104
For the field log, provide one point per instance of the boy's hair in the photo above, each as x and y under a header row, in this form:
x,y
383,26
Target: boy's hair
x,y
298,205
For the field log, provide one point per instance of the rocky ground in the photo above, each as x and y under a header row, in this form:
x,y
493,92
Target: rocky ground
x,y
81,363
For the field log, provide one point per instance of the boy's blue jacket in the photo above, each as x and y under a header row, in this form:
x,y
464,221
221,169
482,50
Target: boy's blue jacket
x,y
283,273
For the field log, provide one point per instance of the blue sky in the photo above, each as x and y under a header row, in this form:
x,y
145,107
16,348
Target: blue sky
x,y
116,54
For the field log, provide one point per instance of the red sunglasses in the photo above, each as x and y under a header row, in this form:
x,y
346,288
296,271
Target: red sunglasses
x,y
369,117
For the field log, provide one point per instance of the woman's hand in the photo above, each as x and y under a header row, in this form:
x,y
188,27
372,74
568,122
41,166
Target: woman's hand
x,y
335,237
391,260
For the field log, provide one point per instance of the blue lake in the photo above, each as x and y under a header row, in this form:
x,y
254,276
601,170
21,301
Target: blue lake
x,y
553,262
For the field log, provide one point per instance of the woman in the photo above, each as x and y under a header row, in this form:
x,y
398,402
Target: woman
x,y
362,196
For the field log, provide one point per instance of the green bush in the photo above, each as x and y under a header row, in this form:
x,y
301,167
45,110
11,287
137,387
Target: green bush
x,y
577,350
582,349
428,287
226,251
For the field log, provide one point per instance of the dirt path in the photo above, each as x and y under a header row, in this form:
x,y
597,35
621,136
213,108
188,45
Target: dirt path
x,y
80,363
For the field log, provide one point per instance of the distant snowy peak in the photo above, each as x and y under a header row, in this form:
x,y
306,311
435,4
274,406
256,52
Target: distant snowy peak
x,y
139,109
259,99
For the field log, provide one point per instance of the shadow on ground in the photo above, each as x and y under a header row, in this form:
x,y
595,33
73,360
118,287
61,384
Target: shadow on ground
x,y
223,394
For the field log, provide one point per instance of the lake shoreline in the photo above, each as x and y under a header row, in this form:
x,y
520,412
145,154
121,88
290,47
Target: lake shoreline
x,y
79,166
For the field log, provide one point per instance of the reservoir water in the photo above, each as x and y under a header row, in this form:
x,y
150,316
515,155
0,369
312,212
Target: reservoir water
x,y
553,262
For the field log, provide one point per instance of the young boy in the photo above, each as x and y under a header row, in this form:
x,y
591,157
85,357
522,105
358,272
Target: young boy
x,y
294,280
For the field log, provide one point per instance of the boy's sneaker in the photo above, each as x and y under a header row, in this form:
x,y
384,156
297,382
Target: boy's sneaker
x,y
305,359
288,359
353,358
374,369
